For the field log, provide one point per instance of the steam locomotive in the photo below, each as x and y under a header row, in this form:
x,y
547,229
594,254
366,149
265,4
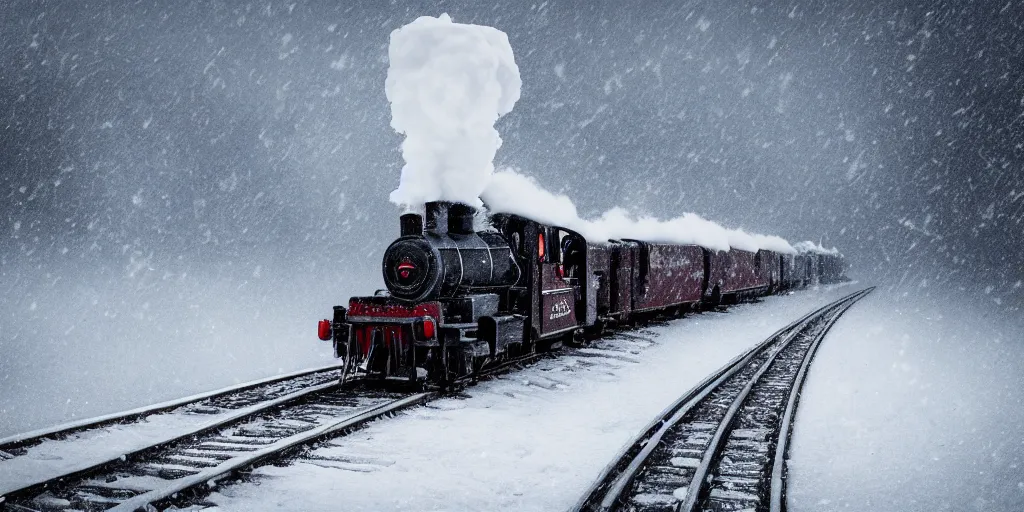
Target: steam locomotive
x,y
458,299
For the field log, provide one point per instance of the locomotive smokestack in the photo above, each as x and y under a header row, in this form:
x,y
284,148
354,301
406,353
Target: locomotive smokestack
x,y
448,217
460,219
411,224
437,217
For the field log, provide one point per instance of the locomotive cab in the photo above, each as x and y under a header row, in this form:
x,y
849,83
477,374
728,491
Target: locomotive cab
x,y
561,263
554,289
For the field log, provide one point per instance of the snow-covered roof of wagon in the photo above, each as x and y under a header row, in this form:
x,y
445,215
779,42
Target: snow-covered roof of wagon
x,y
511,192
813,248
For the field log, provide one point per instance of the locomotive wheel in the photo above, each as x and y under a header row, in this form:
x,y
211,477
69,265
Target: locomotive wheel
x,y
550,345
554,344
577,338
716,297
594,332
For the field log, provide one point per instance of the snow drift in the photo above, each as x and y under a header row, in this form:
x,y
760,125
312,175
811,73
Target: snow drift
x,y
448,83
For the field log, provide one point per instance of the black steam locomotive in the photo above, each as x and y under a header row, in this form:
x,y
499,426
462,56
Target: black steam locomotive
x,y
458,299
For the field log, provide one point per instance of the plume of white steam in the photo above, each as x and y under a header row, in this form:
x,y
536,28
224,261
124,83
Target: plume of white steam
x,y
448,83
512,192
811,247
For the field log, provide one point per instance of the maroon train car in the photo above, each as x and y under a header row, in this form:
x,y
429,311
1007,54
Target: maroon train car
x,y
631,277
668,276
812,265
831,268
789,272
737,274
806,269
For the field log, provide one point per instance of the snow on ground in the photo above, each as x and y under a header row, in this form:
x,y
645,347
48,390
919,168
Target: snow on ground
x,y
55,457
913,407
910,405
532,440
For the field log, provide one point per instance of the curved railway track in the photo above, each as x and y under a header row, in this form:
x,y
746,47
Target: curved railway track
x,y
213,402
181,469
32,460
159,473
722,446
226,432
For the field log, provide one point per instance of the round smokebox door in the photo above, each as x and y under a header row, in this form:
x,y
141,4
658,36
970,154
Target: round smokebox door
x,y
409,268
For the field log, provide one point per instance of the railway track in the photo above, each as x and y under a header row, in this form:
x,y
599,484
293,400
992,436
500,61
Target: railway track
x,y
213,402
158,474
181,469
32,463
227,432
722,446
33,458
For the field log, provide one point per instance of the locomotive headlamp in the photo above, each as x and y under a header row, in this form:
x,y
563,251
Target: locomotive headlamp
x,y
405,269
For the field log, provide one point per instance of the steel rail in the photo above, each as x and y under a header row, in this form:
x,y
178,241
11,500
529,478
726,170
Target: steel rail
x,y
606,491
14,499
700,482
66,429
238,415
778,476
274,450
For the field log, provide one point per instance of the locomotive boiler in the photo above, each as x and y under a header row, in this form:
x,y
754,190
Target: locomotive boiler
x,y
448,257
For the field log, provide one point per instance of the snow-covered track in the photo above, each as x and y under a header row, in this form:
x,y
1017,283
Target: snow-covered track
x,y
90,446
722,445
160,471
181,470
226,398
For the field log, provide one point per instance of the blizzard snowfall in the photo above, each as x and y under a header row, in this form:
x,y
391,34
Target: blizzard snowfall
x,y
185,188
903,410
533,440
895,416
913,404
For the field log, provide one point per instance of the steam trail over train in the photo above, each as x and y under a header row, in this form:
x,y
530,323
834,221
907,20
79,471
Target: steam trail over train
x,y
459,299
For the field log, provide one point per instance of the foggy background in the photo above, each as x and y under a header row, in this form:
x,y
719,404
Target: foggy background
x,y
185,188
